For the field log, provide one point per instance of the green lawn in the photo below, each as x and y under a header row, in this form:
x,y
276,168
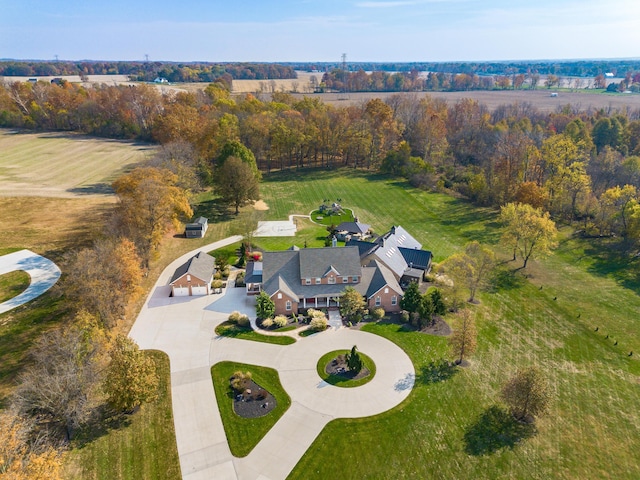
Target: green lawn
x,y
243,434
142,445
332,219
12,284
452,426
231,329
343,382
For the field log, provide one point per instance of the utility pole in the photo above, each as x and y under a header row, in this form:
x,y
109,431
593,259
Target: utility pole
x,y
344,72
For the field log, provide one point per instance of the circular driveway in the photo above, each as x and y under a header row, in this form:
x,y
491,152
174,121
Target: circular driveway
x,y
43,272
184,327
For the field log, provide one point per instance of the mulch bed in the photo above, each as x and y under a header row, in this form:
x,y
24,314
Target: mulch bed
x,y
439,328
258,403
338,368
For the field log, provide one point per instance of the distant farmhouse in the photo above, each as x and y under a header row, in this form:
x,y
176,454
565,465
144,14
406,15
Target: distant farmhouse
x,y
196,229
297,279
193,277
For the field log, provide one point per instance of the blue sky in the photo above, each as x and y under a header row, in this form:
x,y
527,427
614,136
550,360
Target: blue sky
x,y
319,30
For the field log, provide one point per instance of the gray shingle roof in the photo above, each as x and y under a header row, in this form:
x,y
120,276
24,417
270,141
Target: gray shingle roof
x,y
317,262
201,266
353,227
376,276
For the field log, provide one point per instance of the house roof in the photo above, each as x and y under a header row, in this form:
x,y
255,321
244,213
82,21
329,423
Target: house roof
x,y
201,266
376,276
202,220
285,270
253,273
318,262
416,258
353,227
364,248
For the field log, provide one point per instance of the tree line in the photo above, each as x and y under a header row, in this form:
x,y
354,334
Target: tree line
x,y
414,81
148,71
568,68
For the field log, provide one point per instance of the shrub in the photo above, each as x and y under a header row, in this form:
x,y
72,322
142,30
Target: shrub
x,y
217,284
404,316
239,381
235,316
319,323
267,323
280,321
378,313
243,321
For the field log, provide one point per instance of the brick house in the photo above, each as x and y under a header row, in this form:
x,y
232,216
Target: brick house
x,y
298,279
193,277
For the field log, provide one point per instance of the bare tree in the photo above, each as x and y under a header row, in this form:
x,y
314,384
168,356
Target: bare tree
x,y
60,389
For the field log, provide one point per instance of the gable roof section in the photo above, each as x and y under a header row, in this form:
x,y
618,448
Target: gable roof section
x,y
375,277
316,262
353,227
416,258
201,266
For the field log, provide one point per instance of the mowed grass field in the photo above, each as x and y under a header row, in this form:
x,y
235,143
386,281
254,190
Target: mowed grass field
x,y
63,165
452,425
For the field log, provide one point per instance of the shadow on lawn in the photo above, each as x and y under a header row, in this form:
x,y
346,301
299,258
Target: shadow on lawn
x,y
106,421
495,429
215,210
435,372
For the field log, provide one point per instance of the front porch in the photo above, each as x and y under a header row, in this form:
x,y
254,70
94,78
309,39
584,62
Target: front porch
x,y
319,302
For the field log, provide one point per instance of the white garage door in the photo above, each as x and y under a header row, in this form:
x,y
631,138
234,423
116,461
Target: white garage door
x,y
199,290
180,291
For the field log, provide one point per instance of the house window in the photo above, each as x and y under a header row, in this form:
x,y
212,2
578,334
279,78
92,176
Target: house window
x,y
386,290
307,281
355,279
378,302
288,305
188,278
318,280
394,300
345,279
279,296
332,280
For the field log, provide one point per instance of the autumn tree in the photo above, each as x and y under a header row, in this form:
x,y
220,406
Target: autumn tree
x,y
527,231
131,377
20,456
236,183
617,203
352,304
149,204
181,159
471,268
236,149
60,388
463,339
527,394
103,279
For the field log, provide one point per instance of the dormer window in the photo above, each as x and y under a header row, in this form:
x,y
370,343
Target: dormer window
x,y
318,280
331,280
307,281
345,279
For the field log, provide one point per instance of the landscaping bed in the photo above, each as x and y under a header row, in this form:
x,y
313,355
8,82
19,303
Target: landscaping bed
x,y
255,402
332,368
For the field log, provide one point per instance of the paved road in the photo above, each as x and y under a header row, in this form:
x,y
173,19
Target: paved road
x,y
184,328
43,272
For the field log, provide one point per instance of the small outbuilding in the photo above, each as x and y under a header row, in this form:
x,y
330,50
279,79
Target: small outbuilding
x,y
196,229
194,277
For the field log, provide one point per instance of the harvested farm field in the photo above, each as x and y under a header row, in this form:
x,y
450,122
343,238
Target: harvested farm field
x,y
541,99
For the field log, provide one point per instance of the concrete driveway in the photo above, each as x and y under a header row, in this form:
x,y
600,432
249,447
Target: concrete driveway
x,y
43,272
184,329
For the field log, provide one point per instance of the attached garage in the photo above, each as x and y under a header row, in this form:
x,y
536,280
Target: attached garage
x,y
194,277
